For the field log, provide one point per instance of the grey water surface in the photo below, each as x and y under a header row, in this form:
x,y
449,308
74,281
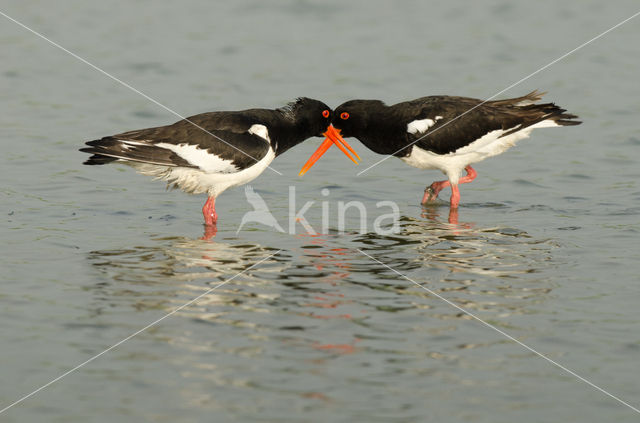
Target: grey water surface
x,y
545,248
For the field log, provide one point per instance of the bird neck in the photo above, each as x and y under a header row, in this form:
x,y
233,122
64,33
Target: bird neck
x,y
288,134
384,133
286,140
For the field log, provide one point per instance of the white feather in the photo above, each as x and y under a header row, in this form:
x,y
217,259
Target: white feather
x,y
196,181
420,126
260,130
490,144
205,160
128,144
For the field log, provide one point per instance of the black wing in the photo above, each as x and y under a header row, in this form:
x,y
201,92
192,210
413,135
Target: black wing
x,y
187,143
464,120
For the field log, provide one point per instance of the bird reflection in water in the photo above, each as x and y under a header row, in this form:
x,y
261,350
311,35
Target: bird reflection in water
x,y
210,231
317,303
496,268
175,268
432,212
336,261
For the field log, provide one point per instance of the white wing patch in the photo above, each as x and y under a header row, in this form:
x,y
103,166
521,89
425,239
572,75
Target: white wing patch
x,y
259,130
128,144
491,144
205,160
197,181
421,126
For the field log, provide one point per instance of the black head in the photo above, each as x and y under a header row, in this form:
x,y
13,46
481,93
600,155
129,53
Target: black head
x,y
353,117
305,112
312,115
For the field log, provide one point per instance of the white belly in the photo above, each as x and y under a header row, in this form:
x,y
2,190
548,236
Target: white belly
x,y
195,181
453,163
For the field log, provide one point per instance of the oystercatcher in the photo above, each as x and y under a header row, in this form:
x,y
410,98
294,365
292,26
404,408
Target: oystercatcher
x,y
210,152
444,132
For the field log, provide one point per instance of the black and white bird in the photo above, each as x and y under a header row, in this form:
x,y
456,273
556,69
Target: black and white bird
x,y
446,133
211,152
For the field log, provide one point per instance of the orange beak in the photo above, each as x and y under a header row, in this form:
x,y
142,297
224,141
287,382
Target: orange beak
x,y
332,137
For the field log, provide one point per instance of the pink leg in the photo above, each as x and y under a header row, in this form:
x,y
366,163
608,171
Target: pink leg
x,y
432,191
471,175
455,197
209,232
209,212
453,216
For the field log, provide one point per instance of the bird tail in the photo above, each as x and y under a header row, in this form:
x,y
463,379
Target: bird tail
x,y
528,99
109,149
98,159
533,113
551,111
543,115
105,150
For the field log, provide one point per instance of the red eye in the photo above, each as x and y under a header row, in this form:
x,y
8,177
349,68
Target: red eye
x,y
325,113
344,115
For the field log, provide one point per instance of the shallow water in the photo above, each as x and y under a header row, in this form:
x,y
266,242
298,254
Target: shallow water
x,y
545,248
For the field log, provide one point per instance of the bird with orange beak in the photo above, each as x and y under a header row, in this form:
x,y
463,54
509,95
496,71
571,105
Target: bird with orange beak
x,y
443,132
211,152
332,136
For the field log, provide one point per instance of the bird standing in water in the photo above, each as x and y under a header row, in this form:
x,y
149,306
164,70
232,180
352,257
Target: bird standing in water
x,y
444,132
211,152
